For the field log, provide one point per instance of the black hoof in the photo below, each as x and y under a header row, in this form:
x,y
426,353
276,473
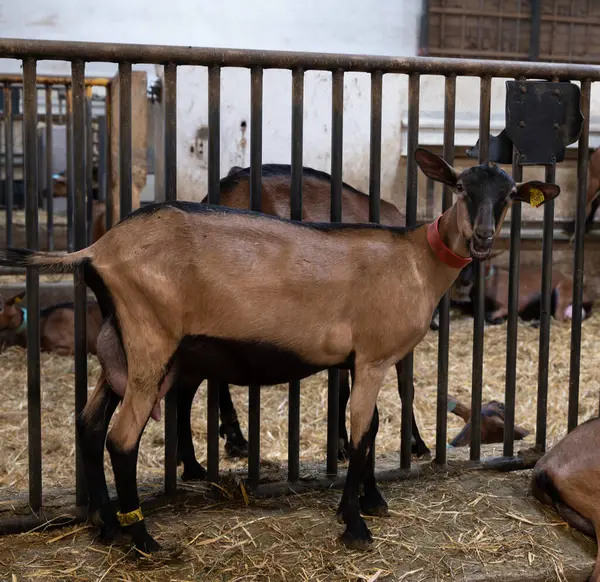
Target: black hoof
x,y
110,533
357,537
420,449
374,505
193,471
237,449
110,529
142,540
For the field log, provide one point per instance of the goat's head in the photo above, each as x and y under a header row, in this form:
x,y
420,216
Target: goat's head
x,y
484,195
492,427
10,316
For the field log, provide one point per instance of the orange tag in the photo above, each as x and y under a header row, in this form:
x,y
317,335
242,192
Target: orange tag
x,y
536,197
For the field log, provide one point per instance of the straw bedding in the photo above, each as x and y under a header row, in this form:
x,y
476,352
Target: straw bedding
x,y
295,530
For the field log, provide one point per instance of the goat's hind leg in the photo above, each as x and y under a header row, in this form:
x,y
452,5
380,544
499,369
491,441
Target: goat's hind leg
x,y
186,390
146,380
92,425
236,446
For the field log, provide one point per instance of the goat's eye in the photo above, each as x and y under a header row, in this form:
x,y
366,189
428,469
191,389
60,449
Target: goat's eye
x,y
459,187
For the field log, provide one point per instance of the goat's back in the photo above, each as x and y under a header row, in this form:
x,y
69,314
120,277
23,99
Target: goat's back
x,y
316,204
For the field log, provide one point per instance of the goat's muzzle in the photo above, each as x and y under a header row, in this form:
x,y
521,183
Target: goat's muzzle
x,y
480,247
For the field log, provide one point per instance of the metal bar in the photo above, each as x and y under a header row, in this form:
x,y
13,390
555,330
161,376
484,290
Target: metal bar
x,y
333,379
109,180
170,185
256,104
185,55
441,433
89,165
545,316
582,175
513,307
375,140
102,158
49,180
536,26
8,163
125,175
414,84
69,173
295,214
477,372
79,188
214,194
34,412
17,80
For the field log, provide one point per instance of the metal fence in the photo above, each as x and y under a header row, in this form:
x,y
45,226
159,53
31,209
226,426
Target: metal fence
x,y
257,61
54,110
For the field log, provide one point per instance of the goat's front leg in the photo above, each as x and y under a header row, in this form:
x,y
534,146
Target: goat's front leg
x,y
371,501
92,425
365,388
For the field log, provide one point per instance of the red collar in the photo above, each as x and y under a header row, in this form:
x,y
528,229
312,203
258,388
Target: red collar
x,y
442,252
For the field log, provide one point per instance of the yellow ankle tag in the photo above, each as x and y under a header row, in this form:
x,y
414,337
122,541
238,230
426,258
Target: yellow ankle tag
x,y
536,197
130,518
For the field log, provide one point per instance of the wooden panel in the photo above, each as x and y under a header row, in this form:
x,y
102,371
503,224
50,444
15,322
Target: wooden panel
x,y
500,29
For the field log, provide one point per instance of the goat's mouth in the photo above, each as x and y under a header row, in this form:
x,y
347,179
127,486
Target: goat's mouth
x,y
477,252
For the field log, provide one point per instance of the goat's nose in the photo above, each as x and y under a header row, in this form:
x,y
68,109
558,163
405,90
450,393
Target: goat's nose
x,y
485,234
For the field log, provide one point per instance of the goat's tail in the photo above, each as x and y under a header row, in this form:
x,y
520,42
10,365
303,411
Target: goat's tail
x,y
50,263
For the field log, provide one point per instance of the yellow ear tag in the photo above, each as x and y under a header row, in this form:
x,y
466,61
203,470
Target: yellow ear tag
x,y
536,197
18,300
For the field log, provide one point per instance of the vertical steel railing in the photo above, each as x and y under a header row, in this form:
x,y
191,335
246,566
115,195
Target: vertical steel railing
x,y
295,214
256,119
170,185
34,411
214,195
444,325
582,176
412,185
79,190
333,379
477,373
49,179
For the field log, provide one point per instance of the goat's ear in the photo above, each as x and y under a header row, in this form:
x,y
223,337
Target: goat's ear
x,y
535,193
435,167
520,433
16,299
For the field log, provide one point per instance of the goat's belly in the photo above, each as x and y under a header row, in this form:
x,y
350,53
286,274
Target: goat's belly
x,y
244,363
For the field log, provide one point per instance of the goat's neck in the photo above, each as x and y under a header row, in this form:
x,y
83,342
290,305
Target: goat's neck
x,y
451,233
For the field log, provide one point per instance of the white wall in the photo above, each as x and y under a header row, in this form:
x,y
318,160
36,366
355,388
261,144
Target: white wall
x,y
348,26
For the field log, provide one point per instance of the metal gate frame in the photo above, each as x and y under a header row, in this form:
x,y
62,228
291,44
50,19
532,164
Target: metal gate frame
x,y
215,59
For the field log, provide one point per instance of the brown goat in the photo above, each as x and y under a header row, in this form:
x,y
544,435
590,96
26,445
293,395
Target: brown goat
x,y
530,292
566,478
276,188
57,324
492,423
244,286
